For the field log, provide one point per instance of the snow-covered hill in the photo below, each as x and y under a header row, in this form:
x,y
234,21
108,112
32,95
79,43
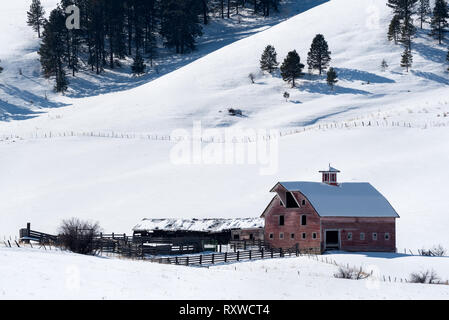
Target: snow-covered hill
x,y
120,181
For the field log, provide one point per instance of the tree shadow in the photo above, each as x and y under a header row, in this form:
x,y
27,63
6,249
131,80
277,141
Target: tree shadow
x,y
359,75
430,76
11,111
323,88
314,120
430,52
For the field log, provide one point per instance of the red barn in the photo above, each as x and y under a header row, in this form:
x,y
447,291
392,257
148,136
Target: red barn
x,y
329,215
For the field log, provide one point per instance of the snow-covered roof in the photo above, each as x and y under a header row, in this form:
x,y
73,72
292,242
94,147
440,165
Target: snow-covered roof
x,y
352,199
212,225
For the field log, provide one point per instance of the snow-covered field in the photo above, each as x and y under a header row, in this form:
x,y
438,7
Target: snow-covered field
x,y
118,181
60,275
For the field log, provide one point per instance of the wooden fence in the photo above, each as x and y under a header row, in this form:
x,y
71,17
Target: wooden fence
x,y
228,257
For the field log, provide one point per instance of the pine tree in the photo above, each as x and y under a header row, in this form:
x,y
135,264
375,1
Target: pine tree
x,y
394,29
268,61
36,17
291,68
405,9
319,54
423,11
331,77
439,20
138,67
407,59
53,49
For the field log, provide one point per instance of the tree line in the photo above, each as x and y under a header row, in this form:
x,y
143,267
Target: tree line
x,y
402,29
291,69
112,30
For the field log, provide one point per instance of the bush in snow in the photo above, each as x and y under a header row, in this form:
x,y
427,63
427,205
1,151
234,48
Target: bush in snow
x,y
78,236
351,273
252,77
435,251
235,112
428,277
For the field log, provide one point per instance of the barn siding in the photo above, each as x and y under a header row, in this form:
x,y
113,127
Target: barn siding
x,y
292,219
366,225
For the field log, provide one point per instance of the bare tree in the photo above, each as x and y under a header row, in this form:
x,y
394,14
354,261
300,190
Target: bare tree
x,y
78,236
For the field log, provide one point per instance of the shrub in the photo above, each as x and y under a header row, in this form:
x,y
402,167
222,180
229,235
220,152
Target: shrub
x,y
435,251
351,273
428,277
78,236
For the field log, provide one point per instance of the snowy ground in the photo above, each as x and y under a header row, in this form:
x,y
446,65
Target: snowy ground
x,y
59,275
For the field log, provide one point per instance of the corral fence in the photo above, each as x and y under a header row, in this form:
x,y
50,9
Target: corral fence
x,y
228,257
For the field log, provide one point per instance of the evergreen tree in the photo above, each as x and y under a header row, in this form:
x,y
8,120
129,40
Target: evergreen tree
x,y
319,54
179,24
268,62
423,11
439,20
405,9
394,29
36,17
53,49
331,77
138,67
291,68
407,59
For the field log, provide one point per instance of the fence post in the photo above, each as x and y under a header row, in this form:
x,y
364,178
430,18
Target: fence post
x,y
201,259
226,257
271,252
238,255
250,254
262,253
187,261
213,258
280,253
176,260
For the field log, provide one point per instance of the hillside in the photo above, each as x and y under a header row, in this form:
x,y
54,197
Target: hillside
x,y
122,180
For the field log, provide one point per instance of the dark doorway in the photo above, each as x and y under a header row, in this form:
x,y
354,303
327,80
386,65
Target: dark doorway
x,y
332,239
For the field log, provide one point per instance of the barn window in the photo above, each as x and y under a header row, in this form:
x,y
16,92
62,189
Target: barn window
x,y
387,236
281,235
303,202
314,235
303,235
281,220
291,202
362,235
303,220
374,235
349,235
236,237
292,236
271,236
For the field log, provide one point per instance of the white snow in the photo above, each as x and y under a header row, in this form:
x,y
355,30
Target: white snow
x,y
199,224
38,274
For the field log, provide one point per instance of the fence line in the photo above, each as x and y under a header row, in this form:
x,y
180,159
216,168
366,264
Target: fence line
x,y
244,139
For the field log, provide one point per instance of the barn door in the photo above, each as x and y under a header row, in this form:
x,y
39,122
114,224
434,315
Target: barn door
x,y
332,239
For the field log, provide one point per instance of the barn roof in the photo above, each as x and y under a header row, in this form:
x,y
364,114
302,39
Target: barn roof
x,y
211,225
351,199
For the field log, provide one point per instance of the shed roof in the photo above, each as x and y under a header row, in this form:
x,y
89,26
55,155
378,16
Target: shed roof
x,y
351,199
208,225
